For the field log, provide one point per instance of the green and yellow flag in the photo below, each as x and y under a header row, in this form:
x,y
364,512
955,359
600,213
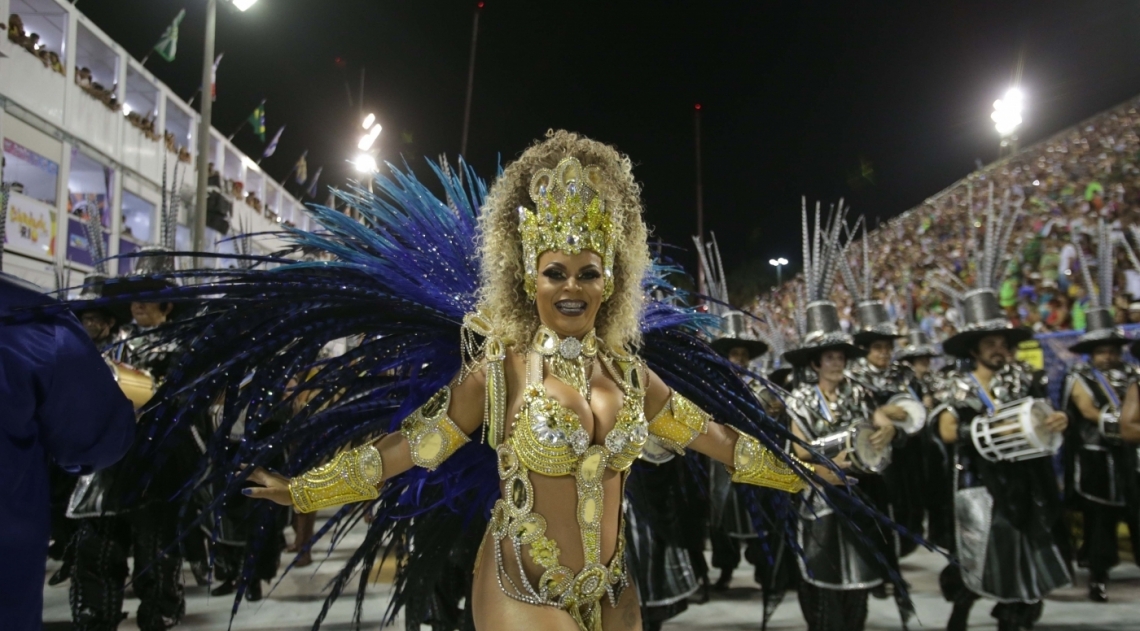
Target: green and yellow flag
x,y
257,121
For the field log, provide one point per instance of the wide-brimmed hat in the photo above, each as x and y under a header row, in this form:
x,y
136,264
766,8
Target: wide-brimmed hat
x,y
917,345
1100,329
874,323
734,333
823,333
151,276
93,286
981,317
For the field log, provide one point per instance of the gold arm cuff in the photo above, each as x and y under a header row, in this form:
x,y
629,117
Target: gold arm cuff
x,y
679,423
755,464
432,435
352,476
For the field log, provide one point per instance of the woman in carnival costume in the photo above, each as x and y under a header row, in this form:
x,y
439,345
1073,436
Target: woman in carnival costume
x,y
565,374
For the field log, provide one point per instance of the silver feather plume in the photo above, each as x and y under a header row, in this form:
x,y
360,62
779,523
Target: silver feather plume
x,y
822,260
1099,290
94,229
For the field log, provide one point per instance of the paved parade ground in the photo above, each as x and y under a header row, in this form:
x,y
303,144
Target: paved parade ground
x,y
295,603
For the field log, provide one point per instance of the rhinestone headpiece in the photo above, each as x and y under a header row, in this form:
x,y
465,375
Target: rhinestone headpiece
x,y
569,216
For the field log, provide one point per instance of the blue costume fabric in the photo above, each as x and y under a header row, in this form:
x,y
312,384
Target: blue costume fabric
x,y
58,402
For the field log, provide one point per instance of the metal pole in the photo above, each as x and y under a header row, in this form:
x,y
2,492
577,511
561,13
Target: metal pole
x,y
779,277
700,193
206,105
470,82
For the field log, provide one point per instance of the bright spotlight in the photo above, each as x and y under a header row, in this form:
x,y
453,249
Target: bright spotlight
x,y
365,163
368,139
242,5
1007,112
368,120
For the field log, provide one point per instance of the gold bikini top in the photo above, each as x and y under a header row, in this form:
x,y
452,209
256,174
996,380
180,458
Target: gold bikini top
x,y
548,436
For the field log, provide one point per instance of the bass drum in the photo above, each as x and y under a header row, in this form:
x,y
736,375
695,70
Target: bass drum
x,y
136,384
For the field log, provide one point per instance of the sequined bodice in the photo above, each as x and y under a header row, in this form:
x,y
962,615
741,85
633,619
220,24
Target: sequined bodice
x,y
547,438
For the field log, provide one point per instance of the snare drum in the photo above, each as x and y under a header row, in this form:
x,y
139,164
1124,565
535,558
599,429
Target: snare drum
x,y
856,441
137,384
1015,431
915,413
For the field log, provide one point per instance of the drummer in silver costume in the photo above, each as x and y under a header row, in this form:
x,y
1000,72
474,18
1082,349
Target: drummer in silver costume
x,y
895,387
1005,511
1100,468
838,566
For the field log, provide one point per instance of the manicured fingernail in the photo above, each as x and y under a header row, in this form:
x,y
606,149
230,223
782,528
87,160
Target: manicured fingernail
x,y
247,491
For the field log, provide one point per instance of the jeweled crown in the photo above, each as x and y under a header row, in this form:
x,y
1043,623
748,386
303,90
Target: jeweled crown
x,y
570,216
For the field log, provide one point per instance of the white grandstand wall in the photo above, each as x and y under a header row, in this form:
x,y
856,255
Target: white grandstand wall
x,y
70,149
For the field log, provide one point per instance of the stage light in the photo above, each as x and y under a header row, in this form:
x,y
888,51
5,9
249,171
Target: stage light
x,y
368,120
242,5
365,163
1007,112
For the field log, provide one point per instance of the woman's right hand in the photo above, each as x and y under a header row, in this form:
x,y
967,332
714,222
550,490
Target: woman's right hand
x,y
273,487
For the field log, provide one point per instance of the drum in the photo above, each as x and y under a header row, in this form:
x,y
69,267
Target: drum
x,y
1015,431
856,441
137,384
915,413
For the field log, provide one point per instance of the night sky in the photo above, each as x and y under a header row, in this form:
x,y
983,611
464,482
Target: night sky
x,y
882,103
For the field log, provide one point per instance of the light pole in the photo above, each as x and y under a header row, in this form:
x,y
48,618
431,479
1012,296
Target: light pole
x,y
779,264
1007,117
205,104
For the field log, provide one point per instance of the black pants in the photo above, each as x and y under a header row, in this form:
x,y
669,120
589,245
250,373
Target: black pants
x,y
1023,615
833,609
1100,545
726,549
101,546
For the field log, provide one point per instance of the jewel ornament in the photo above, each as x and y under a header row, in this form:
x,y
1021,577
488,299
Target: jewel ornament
x,y
570,216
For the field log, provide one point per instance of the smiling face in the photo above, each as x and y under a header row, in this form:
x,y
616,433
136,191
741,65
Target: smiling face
x,y
569,291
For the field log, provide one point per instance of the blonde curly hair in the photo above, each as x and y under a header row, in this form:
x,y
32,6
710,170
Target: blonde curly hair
x,y
502,297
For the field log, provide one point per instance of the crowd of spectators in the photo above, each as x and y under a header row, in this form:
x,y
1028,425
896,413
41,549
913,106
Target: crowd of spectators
x,y
181,151
96,90
31,43
1063,186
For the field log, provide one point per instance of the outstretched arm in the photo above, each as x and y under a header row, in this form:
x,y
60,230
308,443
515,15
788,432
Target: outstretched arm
x,y
428,437
680,424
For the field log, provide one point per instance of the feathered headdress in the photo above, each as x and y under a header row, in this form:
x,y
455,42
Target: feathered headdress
x,y
874,322
981,313
823,250
735,326
1100,328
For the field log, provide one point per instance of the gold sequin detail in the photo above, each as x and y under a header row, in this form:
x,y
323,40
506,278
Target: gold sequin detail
x,y
352,476
755,464
432,435
570,216
679,423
